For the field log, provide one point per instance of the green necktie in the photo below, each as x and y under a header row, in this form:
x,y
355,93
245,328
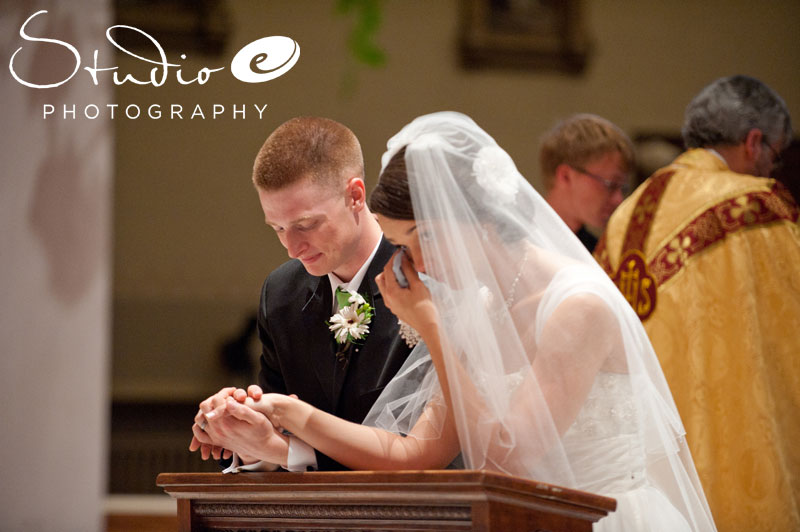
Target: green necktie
x,y
342,298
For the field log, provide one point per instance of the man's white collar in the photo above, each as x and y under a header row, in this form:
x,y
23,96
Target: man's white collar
x,y
355,282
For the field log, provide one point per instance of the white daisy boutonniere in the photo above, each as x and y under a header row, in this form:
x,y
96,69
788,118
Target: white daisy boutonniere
x,y
351,323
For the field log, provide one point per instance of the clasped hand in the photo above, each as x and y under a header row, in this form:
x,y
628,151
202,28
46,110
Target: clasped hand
x,y
237,421
412,304
250,423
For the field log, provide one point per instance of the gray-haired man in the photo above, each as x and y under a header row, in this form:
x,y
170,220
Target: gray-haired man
x,y
707,252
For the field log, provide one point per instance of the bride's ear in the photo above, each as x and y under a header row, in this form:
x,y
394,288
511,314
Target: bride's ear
x,y
356,194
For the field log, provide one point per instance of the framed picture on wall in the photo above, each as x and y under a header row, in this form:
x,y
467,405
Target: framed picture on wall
x,y
197,25
524,34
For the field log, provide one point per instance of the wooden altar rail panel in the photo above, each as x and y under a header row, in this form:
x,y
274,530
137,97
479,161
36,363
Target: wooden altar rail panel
x,y
376,500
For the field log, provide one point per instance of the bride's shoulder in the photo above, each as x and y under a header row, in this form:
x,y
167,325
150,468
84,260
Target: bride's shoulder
x,y
579,309
583,303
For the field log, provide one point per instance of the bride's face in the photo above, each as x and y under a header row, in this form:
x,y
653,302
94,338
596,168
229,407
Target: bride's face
x,y
408,235
405,234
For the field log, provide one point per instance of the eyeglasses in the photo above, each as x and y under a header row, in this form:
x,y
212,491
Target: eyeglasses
x,y
776,159
611,186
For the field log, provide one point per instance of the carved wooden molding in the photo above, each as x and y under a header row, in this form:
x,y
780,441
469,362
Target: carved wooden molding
x,y
331,511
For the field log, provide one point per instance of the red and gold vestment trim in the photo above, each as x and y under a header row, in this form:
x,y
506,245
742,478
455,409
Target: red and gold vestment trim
x,y
726,217
638,278
633,277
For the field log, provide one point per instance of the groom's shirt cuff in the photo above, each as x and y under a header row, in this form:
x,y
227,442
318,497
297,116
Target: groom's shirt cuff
x,y
237,466
301,456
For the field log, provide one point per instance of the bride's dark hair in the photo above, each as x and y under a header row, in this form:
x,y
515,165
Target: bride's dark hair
x,y
391,197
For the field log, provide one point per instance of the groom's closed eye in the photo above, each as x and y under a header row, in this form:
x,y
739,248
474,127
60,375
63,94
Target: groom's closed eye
x,y
308,226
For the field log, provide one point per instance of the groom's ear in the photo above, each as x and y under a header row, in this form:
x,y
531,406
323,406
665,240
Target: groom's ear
x,y
356,194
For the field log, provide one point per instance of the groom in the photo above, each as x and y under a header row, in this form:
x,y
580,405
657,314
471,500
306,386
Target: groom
x,y
309,175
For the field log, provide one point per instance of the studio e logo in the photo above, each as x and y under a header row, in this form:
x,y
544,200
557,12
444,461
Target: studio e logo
x,y
253,65
262,60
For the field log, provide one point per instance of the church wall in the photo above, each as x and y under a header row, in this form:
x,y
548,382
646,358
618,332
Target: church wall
x,y
190,246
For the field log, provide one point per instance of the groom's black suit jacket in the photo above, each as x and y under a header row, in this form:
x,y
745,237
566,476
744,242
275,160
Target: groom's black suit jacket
x,y
299,352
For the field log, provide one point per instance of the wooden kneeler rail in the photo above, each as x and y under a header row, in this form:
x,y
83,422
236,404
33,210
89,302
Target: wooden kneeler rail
x,y
378,500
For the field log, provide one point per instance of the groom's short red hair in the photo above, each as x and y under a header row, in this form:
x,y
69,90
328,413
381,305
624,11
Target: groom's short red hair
x,y
321,149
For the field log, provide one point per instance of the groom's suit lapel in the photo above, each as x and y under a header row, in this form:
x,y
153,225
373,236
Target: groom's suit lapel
x,y
316,311
377,328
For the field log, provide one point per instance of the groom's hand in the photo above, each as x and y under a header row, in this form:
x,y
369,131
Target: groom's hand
x,y
202,440
256,435
202,437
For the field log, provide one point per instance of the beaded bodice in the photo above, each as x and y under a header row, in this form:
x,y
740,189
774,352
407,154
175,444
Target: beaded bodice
x,y
603,443
609,409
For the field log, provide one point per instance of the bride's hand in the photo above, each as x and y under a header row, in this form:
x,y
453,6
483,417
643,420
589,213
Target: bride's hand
x,y
253,391
283,411
256,438
413,304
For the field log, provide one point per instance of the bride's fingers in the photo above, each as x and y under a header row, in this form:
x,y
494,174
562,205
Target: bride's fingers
x,y
244,413
252,416
386,280
255,391
240,395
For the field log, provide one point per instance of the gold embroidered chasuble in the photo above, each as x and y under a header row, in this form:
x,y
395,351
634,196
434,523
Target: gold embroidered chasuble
x,y
720,300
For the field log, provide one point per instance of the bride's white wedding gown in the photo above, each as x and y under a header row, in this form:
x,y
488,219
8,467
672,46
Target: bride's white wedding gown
x,y
604,447
605,443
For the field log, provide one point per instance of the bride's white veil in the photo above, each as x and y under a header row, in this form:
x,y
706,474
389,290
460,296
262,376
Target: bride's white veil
x,y
529,321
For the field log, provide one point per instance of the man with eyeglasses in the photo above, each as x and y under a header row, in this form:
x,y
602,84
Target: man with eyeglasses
x,y
586,162
707,251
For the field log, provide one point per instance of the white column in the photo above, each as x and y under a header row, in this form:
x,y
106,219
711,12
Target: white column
x,y
55,229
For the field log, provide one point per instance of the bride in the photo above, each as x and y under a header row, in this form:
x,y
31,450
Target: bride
x,y
531,362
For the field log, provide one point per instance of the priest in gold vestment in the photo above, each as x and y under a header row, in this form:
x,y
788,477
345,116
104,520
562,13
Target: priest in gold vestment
x,y
707,251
